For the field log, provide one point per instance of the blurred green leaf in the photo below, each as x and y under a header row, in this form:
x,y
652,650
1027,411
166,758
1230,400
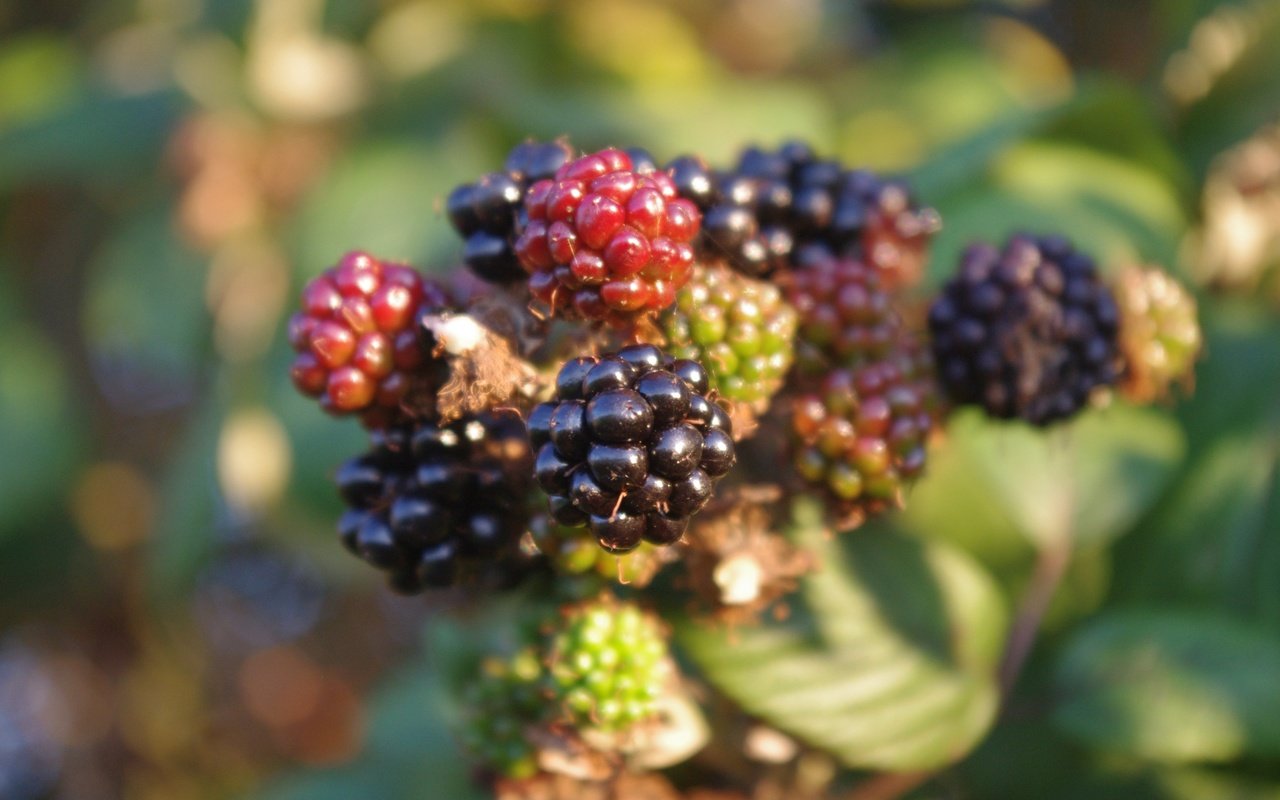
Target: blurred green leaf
x,y
1089,480
889,667
99,137
37,73
145,304
40,427
190,509
1172,686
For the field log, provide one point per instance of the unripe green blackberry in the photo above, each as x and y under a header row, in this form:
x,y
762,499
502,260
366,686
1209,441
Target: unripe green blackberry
x,y
846,316
739,328
572,554
861,437
607,666
500,705
1159,334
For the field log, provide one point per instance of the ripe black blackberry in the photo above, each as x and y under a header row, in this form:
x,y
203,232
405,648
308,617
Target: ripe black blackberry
x,y
1028,332
488,212
630,446
776,206
434,504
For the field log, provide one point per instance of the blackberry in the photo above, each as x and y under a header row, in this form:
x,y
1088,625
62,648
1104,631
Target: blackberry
x,y
434,504
607,666
630,446
774,206
1159,334
488,213
356,339
605,241
739,327
501,703
1029,332
861,436
846,316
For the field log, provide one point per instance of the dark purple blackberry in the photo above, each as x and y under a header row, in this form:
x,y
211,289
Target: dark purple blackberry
x,y
487,213
1028,332
761,215
630,446
434,504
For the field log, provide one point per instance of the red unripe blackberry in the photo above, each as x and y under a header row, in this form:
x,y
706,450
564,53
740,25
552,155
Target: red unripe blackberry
x,y
356,338
630,446
1029,332
846,316
605,241
434,504
488,213
861,436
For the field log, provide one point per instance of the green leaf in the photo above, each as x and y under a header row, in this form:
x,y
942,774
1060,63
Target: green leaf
x,y
100,137
887,664
1090,479
1169,686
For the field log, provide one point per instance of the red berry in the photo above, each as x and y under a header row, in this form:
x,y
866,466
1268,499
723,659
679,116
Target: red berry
x,y
356,337
603,224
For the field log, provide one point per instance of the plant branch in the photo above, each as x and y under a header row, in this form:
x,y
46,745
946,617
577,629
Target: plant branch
x,y
1051,565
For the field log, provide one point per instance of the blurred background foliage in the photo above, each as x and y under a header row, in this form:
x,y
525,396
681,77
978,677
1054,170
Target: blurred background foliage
x,y
175,618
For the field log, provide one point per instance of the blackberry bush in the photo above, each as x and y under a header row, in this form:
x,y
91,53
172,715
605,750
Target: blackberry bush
x,y
1027,332
740,328
434,504
357,342
630,446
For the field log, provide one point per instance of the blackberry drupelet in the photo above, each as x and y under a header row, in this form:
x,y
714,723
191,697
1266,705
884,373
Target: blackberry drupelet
x,y
630,446
862,436
357,342
1029,332
433,505
605,240
739,327
488,213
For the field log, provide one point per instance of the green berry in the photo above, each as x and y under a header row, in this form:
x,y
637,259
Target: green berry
x,y
741,329
1160,336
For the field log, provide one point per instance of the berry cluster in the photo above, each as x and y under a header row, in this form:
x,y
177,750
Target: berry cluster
x,y
504,700
1159,335
740,328
861,436
1028,332
846,316
357,342
432,504
487,213
630,445
607,666
776,206
570,554
605,241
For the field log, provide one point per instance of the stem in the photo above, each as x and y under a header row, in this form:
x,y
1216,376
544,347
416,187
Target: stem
x,y
1051,565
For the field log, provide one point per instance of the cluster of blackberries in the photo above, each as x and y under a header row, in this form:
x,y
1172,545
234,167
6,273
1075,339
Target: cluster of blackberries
x,y
1026,332
630,445
487,213
774,207
431,503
